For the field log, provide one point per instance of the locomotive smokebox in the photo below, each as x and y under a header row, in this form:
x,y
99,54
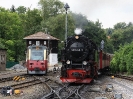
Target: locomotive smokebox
x,y
76,74
78,31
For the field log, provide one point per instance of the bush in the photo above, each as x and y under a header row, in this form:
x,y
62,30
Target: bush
x,y
123,59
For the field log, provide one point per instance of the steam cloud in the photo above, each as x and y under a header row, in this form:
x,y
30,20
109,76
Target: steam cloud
x,y
78,31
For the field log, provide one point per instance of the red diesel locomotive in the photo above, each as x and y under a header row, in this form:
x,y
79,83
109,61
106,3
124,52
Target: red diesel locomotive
x,y
81,61
36,59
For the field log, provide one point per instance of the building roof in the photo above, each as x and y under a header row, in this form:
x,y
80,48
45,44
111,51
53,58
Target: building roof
x,y
3,49
40,35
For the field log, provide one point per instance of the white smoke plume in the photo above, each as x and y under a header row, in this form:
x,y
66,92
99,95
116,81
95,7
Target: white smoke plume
x,y
78,31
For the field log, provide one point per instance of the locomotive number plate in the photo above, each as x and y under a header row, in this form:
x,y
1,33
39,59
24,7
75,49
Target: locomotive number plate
x,y
76,49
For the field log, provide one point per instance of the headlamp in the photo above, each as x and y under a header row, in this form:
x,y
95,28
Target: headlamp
x,y
68,62
84,63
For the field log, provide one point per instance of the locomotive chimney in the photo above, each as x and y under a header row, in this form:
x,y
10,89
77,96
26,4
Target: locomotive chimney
x,y
78,31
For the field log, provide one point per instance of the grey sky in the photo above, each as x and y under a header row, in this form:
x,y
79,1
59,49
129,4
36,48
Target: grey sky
x,y
109,12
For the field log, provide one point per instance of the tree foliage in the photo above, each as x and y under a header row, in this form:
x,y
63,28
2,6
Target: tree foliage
x,y
21,10
54,18
50,8
16,23
32,23
95,32
12,9
24,21
123,59
11,33
121,34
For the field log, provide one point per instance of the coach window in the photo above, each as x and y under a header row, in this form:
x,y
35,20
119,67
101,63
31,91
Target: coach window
x,y
37,42
104,56
30,42
44,42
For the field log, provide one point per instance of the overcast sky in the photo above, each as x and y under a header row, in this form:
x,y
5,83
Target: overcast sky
x,y
109,12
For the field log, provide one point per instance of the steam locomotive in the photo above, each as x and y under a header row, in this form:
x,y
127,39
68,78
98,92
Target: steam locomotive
x,y
78,60
81,60
36,61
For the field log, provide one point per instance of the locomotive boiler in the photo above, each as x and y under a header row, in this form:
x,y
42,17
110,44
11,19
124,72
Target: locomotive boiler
x,y
78,59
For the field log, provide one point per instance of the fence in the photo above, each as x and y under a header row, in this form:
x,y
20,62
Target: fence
x,y
10,64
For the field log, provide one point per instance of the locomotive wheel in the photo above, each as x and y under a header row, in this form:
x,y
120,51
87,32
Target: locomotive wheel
x,y
46,72
27,71
92,71
63,72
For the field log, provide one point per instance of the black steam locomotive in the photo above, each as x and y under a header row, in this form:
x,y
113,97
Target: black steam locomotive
x,y
78,60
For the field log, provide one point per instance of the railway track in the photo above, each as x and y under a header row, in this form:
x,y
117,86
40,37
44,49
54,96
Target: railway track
x,y
124,77
56,90
64,92
120,76
10,78
54,87
74,92
59,90
70,91
24,84
12,72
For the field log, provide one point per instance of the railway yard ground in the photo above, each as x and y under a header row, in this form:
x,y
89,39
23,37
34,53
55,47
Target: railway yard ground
x,y
50,86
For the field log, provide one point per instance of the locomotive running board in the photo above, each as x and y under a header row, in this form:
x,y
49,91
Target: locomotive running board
x,y
74,80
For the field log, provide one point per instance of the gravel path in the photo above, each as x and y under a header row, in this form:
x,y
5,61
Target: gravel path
x,y
123,86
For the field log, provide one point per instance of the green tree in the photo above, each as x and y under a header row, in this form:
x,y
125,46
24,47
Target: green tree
x,y
32,23
122,33
12,9
21,10
50,8
122,59
54,19
56,27
1,44
109,46
11,33
95,32
120,25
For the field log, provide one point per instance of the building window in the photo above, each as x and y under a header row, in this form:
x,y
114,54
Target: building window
x,y
3,57
37,42
44,42
30,42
